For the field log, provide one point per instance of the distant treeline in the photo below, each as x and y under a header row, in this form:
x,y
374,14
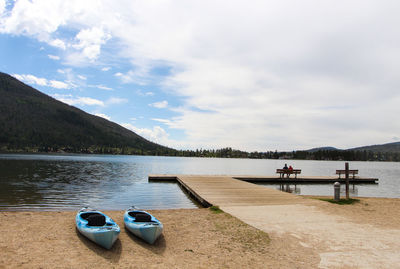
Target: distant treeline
x,y
160,151
331,155
347,155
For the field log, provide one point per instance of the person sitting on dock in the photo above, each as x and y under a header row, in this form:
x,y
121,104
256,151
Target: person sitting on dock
x,y
285,167
290,168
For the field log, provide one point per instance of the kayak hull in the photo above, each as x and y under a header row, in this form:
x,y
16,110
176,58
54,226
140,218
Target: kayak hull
x,y
103,235
149,231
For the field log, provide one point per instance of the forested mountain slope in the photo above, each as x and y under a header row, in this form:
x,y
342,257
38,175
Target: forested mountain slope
x,y
31,120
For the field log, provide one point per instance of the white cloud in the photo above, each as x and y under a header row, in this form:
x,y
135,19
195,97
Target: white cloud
x,y
103,116
105,69
82,77
102,87
90,41
35,18
116,101
160,136
165,121
156,134
73,101
31,79
141,93
161,104
58,84
264,75
138,76
53,57
43,19
2,6
58,43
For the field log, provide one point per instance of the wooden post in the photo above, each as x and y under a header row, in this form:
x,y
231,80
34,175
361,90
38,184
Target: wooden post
x,y
346,167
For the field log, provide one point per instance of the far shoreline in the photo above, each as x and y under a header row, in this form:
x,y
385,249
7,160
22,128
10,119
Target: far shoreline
x,y
55,210
66,153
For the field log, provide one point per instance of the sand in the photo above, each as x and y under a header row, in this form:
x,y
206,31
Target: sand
x,y
193,238
363,235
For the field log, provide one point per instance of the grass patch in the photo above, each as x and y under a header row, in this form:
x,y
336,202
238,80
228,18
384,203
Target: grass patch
x,y
349,201
239,234
215,209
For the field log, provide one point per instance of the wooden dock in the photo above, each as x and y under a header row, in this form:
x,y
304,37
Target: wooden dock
x,y
278,180
237,190
228,191
306,179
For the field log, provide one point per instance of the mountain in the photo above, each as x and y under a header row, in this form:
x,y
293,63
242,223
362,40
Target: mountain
x,y
31,120
322,148
389,147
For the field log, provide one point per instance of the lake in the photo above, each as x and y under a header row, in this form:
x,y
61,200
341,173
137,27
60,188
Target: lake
x,y
68,182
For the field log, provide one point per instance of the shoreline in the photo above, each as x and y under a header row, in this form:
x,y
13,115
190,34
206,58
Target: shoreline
x,y
196,238
21,210
118,152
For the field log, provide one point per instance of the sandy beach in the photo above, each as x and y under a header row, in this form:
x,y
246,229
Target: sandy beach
x,y
193,238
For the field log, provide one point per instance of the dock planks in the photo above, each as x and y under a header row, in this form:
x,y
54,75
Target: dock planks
x,y
307,179
228,191
237,190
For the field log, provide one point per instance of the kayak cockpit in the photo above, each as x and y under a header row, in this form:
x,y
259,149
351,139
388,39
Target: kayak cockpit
x,y
140,216
94,219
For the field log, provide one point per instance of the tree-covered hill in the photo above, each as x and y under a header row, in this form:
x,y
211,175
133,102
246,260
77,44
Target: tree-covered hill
x,y
33,121
389,147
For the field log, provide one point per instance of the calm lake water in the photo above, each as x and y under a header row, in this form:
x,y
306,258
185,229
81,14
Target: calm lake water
x,y
68,182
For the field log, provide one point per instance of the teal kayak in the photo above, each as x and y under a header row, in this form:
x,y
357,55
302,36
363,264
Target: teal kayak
x,y
143,224
97,227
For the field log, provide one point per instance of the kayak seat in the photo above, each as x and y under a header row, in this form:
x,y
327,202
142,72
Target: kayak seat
x,y
96,220
88,214
134,213
142,217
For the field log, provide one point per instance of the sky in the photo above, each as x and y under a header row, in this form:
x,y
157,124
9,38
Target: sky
x,y
251,75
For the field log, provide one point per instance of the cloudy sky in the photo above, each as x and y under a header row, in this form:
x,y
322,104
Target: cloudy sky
x,y
252,75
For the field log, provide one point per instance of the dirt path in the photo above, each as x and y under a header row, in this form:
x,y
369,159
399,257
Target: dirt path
x,y
364,235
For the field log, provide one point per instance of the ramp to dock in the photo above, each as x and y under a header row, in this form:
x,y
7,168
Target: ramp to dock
x,y
228,191
339,242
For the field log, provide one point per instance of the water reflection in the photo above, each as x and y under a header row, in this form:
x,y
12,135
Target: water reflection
x,y
310,189
353,190
290,189
60,184
54,182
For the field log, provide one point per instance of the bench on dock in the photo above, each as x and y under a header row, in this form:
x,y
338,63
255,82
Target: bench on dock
x,y
351,172
288,172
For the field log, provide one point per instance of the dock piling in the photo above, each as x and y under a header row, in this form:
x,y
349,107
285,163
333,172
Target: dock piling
x,y
336,188
346,165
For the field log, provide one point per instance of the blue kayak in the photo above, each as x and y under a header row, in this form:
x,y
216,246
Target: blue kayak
x,y
143,224
97,227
